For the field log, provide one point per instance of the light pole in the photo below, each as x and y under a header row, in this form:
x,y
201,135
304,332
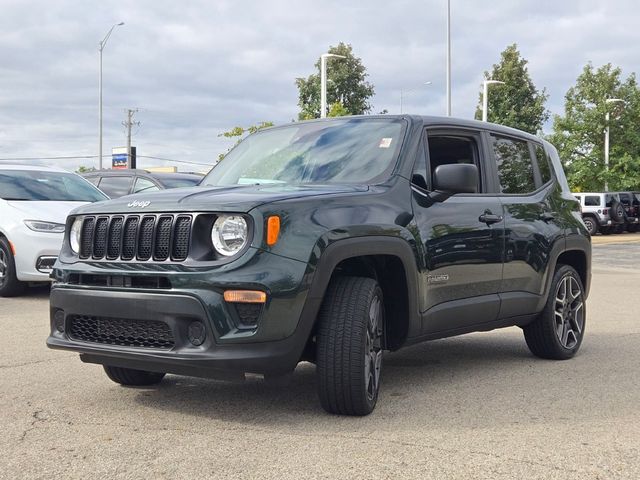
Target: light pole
x,y
485,97
103,43
405,92
448,58
608,101
323,81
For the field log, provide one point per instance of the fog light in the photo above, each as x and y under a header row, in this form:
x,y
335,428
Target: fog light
x,y
197,333
58,320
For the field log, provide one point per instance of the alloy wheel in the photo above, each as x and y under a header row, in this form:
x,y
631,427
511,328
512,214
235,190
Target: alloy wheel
x,y
373,349
4,267
569,312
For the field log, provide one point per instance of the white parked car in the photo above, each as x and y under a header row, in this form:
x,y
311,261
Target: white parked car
x,y
34,204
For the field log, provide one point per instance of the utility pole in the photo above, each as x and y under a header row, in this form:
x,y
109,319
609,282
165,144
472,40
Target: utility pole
x,y
128,123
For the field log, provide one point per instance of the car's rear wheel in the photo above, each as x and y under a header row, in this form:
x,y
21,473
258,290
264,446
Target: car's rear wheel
x,y
10,286
591,224
131,377
558,331
349,346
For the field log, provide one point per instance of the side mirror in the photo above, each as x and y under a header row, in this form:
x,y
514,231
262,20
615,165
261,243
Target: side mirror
x,y
456,178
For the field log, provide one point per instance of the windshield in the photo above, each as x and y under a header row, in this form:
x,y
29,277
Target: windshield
x,y
347,150
32,185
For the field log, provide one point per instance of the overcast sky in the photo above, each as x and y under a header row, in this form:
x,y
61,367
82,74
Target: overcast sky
x,y
197,68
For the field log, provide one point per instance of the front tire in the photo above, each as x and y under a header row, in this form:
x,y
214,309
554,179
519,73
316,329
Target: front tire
x,y
132,378
349,346
558,331
10,286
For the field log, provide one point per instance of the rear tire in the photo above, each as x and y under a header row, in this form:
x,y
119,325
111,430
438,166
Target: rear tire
x,y
591,224
349,346
558,331
10,286
132,378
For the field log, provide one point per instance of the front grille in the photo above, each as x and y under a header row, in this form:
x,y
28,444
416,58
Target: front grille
x,y
127,237
121,331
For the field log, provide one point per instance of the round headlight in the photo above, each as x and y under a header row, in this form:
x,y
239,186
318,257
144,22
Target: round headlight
x,y
229,234
74,235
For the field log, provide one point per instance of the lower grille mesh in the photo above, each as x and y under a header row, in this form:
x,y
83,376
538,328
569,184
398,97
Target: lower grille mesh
x,y
121,331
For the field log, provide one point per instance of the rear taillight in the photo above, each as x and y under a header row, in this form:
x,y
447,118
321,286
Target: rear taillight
x,y
605,211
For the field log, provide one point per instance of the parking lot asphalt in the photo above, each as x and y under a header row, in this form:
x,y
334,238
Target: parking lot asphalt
x,y
476,406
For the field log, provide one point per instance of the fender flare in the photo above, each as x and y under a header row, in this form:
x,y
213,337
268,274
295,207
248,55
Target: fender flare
x,y
352,247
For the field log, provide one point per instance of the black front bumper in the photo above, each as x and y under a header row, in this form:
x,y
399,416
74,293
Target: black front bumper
x,y
213,358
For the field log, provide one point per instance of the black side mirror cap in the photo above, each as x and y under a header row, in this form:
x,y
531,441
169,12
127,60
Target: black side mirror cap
x,y
456,178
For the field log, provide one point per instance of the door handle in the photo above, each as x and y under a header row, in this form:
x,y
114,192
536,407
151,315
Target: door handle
x,y
489,218
547,216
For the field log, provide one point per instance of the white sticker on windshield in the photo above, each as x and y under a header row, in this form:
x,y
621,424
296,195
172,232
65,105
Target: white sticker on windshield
x,y
385,143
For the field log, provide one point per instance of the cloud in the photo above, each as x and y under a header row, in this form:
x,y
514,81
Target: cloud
x,y
199,68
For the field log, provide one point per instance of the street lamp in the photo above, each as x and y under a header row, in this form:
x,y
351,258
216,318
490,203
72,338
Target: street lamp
x,y
405,92
103,43
485,97
323,81
448,58
608,101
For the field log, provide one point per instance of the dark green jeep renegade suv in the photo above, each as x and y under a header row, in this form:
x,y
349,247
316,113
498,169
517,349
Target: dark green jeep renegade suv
x,y
329,241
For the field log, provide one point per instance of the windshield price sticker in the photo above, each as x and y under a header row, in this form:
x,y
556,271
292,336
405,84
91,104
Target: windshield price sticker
x,y
385,142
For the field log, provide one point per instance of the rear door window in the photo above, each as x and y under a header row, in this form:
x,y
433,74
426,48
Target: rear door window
x,y
591,201
116,186
515,168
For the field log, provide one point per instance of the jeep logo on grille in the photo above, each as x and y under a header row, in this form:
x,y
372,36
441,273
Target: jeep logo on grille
x,y
138,203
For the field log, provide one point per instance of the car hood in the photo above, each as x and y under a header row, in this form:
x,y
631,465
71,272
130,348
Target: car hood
x,y
46,211
240,198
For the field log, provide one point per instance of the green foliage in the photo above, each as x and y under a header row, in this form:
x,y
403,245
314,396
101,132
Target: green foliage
x,y
579,133
517,103
346,84
83,169
337,110
239,132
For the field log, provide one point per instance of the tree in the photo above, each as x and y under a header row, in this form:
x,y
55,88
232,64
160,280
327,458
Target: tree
x,y
239,133
346,83
83,169
579,133
517,103
337,110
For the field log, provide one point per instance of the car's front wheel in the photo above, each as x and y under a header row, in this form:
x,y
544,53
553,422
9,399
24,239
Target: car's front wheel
x,y
558,331
131,377
10,286
349,346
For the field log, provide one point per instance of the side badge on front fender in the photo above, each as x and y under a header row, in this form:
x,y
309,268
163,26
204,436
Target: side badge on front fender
x,y
438,278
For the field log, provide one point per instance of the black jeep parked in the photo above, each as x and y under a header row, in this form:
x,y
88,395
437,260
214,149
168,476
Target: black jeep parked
x,y
631,205
329,241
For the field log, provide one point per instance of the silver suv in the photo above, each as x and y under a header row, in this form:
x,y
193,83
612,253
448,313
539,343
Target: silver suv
x,y
601,212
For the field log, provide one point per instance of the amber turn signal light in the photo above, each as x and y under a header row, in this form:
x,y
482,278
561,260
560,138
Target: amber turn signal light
x,y
245,296
273,229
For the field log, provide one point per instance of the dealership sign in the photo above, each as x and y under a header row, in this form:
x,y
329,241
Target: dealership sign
x,y
119,157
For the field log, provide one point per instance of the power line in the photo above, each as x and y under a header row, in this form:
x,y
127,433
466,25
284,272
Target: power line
x,y
48,158
86,157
